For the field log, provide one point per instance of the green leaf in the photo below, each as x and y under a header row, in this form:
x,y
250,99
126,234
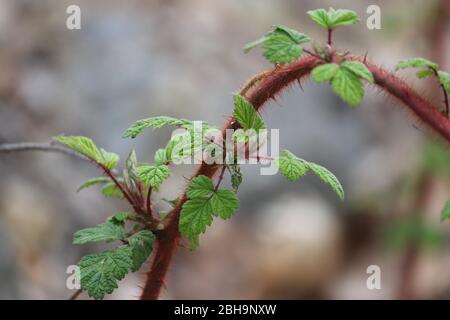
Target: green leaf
x,y
92,182
107,231
282,45
200,186
110,190
341,17
359,69
319,16
290,166
327,177
100,272
333,18
195,216
153,175
130,176
246,115
236,176
141,244
87,147
416,63
224,203
444,78
82,145
121,217
108,159
154,122
445,214
280,48
161,157
324,72
425,73
348,86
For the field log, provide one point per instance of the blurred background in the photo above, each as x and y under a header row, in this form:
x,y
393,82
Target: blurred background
x,y
138,59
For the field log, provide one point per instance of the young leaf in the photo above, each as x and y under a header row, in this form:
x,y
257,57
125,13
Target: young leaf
x,y
333,18
324,72
348,86
224,203
108,159
319,16
416,63
327,177
290,166
107,231
153,175
445,214
141,244
359,69
425,73
154,122
92,182
246,114
195,216
444,78
282,45
130,176
110,190
200,186
161,157
121,217
82,145
100,272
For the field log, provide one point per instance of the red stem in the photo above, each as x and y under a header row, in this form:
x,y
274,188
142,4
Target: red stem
x,y
262,91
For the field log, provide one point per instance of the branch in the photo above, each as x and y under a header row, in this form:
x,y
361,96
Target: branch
x,y
262,91
32,146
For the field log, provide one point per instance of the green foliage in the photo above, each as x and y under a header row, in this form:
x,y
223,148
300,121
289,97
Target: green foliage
x,y
333,18
324,72
156,123
204,203
246,115
345,79
121,217
444,79
141,244
282,45
100,272
294,168
161,157
417,63
110,190
92,182
108,231
153,175
87,147
445,214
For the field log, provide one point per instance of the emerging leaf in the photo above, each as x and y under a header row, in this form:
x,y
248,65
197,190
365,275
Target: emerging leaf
x,y
282,45
416,63
445,214
110,190
324,72
154,122
107,231
153,175
100,272
92,182
121,217
348,86
425,73
333,18
108,159
246,115
444,78
161,157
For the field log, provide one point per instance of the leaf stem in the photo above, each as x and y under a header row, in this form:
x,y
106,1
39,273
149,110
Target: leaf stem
x,y
220,178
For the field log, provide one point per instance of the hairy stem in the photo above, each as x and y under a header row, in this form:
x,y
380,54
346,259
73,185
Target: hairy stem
x,y
262,91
